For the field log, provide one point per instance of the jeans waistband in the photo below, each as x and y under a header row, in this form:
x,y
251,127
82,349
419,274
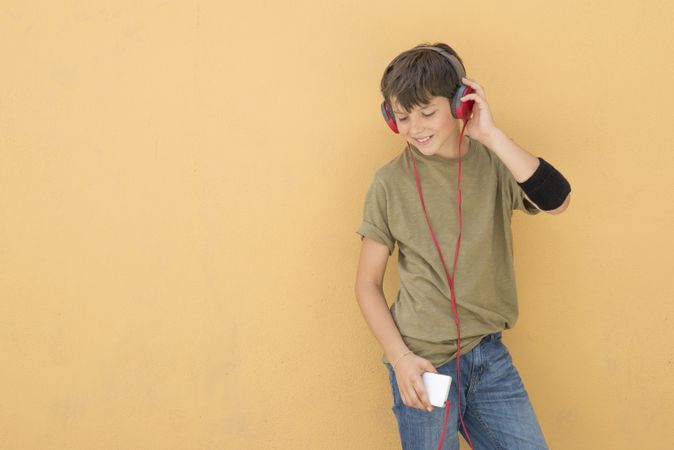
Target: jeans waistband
x,y
494,336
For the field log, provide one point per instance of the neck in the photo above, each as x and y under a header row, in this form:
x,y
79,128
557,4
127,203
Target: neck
x,y
452,150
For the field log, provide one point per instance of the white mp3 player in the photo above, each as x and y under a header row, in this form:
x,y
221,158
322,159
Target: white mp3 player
x,y
437,387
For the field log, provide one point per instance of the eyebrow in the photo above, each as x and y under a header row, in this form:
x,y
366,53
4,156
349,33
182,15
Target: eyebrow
x,y
423,107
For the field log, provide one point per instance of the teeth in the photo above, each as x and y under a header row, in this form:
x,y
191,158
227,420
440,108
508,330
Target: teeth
x,y
424,139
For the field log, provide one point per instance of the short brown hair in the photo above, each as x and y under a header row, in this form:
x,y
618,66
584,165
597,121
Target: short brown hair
x,y
416,75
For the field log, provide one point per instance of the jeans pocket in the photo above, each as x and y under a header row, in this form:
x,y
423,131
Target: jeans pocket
x,y
501,352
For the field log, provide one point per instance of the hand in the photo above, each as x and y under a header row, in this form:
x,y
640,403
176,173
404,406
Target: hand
x,y
481,125
410,383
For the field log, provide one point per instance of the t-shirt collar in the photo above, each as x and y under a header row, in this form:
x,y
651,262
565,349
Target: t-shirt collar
x,y
418,155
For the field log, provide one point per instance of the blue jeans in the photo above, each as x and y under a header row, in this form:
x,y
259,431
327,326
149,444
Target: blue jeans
x,y
495,406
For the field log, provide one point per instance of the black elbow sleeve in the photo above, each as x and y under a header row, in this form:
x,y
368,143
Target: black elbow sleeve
x,y
546,187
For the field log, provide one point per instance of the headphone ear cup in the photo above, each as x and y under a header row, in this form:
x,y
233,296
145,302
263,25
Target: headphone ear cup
x,y
390,119
461,110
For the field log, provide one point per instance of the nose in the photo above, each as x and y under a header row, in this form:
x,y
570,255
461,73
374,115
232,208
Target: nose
x,y
415,127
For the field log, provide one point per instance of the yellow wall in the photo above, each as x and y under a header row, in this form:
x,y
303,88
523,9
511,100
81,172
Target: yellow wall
x,y
180,185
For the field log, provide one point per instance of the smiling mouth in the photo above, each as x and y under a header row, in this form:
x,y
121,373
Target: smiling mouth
x,y
425,140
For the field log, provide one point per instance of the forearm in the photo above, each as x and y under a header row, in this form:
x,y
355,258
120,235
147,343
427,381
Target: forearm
x,y
542,184
520,162
373,306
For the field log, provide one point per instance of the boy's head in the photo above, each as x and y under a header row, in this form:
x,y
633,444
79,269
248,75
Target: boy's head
x,y
416,75
419,85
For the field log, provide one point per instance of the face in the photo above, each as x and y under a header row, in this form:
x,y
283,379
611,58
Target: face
x,y
435,120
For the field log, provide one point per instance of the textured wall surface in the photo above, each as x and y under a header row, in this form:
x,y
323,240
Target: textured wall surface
x,y
180,185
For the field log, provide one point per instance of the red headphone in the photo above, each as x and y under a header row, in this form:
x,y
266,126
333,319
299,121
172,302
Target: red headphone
x,y
460,110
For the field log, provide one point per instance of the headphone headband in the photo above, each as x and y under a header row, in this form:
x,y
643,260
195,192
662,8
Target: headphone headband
x,y
453,61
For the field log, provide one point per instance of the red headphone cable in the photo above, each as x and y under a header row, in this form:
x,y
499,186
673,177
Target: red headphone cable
x,y
450,281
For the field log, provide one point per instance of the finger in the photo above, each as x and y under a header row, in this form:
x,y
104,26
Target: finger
x,y
473,96
413,399
475,85
404,393
421,393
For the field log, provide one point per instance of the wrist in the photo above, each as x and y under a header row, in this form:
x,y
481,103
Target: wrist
x,y
493,137
403,355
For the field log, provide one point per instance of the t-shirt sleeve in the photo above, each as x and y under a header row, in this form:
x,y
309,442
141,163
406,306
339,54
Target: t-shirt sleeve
x,y
514,194
375,224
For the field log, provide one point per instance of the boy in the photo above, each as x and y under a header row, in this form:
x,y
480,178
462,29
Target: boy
x,y
412,200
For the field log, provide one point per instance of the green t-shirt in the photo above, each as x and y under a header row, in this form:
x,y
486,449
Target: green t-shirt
x,y
484,281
